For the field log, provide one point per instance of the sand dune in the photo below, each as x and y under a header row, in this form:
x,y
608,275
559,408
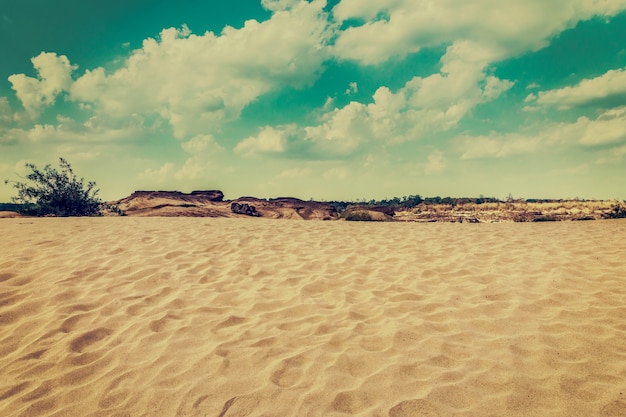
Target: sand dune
x,y
250,317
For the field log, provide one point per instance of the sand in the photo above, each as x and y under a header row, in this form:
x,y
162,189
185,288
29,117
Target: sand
x,y
252,317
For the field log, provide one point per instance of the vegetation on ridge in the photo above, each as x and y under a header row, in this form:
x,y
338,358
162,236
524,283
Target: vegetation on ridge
x,y
56,193
60,193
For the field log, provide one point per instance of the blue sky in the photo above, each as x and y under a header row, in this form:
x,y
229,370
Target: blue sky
x,y
344,99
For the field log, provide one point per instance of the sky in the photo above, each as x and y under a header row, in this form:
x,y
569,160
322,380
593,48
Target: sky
x,y
324,100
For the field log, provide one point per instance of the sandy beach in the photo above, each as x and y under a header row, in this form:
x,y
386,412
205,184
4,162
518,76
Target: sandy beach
x,y
252,317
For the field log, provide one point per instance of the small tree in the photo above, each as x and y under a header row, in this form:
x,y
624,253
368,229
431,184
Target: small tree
x,y
58,193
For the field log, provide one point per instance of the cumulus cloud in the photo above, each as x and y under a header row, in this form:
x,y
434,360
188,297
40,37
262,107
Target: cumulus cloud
x,y
496,145
612,156
269,140
159,175
342,131
292,173
436,163
353,88
423,106
338,173
196,82
605,88
201,143
278,5
6,114
608,129
68,130
54,75
400,27
195,167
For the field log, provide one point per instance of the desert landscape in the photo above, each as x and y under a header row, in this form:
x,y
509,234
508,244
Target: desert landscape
x,y
211,203
313,208
152,316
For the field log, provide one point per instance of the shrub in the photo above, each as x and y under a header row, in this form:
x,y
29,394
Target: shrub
x,y
57,193
358,216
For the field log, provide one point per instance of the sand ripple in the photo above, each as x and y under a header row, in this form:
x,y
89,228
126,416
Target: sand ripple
x,y
224,317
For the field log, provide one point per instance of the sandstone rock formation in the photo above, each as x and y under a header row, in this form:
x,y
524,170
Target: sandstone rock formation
x,y
243,208
212,204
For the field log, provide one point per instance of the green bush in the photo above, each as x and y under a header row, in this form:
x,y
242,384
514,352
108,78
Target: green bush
x,y
57,193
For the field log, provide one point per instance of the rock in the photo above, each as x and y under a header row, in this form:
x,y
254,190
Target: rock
x,y
211,204
470,220
243,208
194,196
210,195
206,203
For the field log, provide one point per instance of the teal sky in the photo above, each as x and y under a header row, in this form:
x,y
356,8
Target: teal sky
x,y
344,99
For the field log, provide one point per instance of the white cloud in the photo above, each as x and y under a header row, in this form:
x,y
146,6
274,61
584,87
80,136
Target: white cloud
x,y
76,153
159,175
269,140
342,131
195,167
436,163
612,156
278,5
506,28
607,129
498,145
610,84
197,82
353,88
67,130
299,172
200,143
6,115
425,105
54,75
338,173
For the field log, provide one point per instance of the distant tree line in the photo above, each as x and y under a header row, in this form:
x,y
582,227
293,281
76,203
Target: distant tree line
x,y
10,207
412,201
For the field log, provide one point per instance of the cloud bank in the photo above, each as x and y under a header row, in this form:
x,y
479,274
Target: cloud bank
x,y
196,88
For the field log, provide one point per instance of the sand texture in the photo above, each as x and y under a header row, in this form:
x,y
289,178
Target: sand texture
x,y
251,317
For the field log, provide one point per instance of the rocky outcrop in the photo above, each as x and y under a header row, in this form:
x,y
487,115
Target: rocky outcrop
x,y
172,204
291,208
243,208
193,197
211,204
